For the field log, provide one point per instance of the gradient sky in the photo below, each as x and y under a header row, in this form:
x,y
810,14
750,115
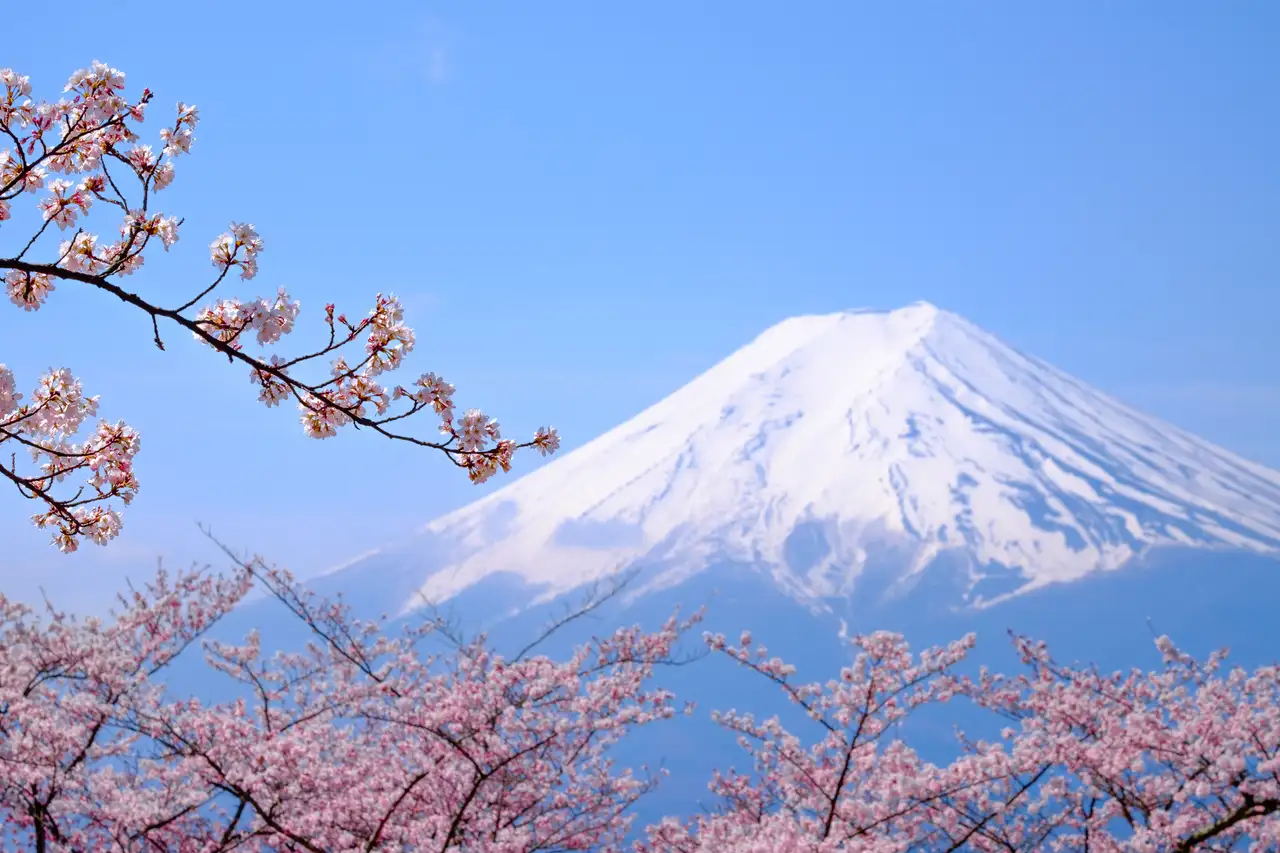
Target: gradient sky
x,y
585,205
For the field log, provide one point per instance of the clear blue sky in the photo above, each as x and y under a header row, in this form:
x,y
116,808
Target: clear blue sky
x,y
584,205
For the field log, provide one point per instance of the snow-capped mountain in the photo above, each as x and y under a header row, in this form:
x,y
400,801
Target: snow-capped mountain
x,y
832,439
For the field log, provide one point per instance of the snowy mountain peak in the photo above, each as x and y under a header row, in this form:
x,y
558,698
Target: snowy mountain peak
x,y
830,436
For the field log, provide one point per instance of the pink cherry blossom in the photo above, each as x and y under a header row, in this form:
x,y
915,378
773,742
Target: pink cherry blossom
x,y
1175,760
360,742
365,741
90,141
44,428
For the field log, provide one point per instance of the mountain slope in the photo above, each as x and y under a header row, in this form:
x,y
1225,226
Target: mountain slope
x,y
831,438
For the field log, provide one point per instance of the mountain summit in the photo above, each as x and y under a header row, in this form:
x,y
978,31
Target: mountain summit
x,y
830,439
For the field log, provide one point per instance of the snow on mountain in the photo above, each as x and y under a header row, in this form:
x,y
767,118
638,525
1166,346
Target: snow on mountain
x,y
843,431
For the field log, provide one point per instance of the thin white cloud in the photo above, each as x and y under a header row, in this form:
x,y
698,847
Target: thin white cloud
x,y
422,52
437,65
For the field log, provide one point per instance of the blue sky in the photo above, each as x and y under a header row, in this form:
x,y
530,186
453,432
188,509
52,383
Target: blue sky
x,y
584,205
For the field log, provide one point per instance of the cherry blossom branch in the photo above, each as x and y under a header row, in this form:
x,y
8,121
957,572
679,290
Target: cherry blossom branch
x,y
44,428
1182,759
357,742
95,126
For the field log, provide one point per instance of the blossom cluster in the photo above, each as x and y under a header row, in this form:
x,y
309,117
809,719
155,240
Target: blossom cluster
x,y
1178,759
44,428
83,155
361,742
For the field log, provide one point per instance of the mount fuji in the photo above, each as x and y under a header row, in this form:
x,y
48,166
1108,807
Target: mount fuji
x,y
842,456
857,471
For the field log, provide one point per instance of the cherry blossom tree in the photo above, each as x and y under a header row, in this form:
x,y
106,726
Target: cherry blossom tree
x,y
83,155
363,741
1180,759
360,742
